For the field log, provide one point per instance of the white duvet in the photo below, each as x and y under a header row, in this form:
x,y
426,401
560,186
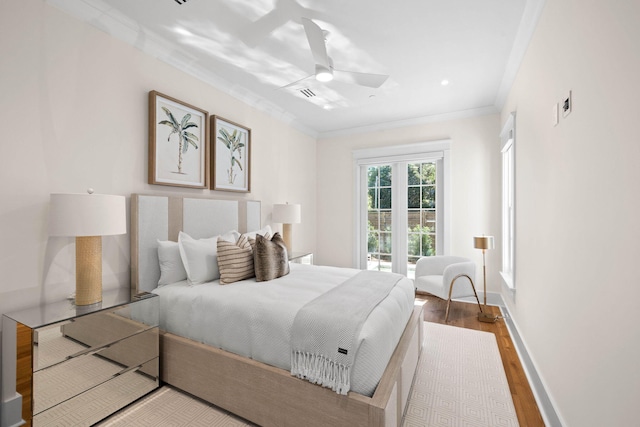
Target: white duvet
x,y
254,319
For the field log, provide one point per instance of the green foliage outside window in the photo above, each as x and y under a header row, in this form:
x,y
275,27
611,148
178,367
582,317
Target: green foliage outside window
x,y
420,241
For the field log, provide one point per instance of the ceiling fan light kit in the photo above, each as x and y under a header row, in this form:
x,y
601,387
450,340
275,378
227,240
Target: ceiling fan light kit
x,y
323,74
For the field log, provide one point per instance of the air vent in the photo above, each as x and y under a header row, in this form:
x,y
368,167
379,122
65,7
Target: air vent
x,y
181,1
307,92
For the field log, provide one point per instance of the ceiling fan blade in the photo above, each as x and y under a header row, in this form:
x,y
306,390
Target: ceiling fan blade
x,y
315,36
296,82
362,79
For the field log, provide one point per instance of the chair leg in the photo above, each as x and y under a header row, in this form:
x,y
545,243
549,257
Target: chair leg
x,y
446,316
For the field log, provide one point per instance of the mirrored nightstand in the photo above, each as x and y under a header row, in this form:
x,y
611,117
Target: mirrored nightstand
x,y
75,365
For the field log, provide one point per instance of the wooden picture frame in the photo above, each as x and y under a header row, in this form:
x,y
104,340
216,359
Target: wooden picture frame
x,y
178,143
230,156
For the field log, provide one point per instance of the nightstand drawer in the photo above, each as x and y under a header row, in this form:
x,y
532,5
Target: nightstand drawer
x,y
52,344
60,382
99,402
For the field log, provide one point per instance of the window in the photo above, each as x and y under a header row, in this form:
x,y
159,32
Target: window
x,y
379,217
402,200
507,137
421,212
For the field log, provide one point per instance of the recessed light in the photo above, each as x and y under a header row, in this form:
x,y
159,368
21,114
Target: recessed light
x,y
444,82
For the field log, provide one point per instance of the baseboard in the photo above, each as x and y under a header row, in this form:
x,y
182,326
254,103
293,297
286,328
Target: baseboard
x,y
11,412
493,298
548,412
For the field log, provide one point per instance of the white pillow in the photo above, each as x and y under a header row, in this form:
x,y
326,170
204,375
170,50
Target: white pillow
x,y
171,267
200,256
263,231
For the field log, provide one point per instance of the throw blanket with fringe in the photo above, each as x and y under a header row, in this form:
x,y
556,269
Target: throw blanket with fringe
x,y
325,332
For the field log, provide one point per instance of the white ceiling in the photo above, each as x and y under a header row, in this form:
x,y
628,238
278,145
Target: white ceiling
x,y
251,48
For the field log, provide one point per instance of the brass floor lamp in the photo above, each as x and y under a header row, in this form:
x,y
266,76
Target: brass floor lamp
x,y
484,243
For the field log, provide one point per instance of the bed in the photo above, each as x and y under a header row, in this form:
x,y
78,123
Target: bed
x,y
264,393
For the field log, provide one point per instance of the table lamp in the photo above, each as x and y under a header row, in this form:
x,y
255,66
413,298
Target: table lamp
x,y
87,217
286,215
484,243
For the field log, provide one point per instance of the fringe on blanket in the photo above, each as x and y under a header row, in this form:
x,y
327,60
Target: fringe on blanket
x,y
321,370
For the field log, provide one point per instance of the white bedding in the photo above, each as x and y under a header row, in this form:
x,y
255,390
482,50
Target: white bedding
x,y
254,319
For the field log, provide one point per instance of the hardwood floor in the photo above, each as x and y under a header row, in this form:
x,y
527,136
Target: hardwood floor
x,y
465,315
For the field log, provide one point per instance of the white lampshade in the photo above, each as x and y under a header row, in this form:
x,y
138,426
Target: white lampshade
x,y
87,215
286,214
483,242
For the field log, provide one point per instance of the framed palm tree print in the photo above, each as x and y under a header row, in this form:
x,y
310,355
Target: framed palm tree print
x,y
178,140
231,156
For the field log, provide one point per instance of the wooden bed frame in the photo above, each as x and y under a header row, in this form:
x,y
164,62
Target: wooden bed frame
x,y
260,393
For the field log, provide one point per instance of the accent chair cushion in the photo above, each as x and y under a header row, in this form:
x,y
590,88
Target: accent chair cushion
x,y
432,284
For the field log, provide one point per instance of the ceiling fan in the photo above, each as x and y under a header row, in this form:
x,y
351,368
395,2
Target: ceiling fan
x,y
325,71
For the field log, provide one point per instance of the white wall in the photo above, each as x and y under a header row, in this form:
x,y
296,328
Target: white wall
x,y
74,106
577,209
475,187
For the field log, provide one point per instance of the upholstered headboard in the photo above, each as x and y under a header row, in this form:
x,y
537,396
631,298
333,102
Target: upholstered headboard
x,y
156,218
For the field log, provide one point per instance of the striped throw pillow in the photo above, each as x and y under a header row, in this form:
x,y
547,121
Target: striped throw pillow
x,y
235,260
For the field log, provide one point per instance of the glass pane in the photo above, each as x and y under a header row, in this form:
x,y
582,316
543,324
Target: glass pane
x,y
413,244
428,173
373,262
385,220
413,219
413,174
385,198
373,199
429,197
372,241
385,176
428,215
385,263
372,180
428,246
413,197
385,243
374,219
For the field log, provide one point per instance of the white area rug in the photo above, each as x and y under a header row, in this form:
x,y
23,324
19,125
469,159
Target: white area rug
x,y
169,407
460,382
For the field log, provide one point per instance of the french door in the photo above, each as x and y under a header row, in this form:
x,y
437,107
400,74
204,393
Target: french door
x,y
401,212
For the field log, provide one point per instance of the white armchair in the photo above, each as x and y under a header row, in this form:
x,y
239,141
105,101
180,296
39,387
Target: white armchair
x,y
437,275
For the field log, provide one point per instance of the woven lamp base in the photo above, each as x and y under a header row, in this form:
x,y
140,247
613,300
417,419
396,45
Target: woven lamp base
x,y
88,270
287,233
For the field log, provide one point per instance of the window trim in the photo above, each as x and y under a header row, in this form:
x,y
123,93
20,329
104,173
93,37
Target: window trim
x,y
394,155
508,148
